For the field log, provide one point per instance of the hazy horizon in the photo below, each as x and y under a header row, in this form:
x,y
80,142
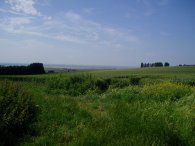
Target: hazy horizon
x,y
104,33
71,66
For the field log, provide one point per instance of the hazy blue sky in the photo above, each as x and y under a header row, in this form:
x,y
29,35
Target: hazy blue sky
x,y
97,32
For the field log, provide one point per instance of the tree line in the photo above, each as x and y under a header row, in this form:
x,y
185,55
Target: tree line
x,y
187,65
34,68
156,64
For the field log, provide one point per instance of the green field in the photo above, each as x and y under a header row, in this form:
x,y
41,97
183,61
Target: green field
x,y
119,107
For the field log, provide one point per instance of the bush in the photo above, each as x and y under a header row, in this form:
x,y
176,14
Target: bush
x,y
165,91
17,112
102,85
135,80
137,123
119,82
129,94
74,85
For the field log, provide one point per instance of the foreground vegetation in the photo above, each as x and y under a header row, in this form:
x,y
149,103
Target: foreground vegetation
x,y
148,106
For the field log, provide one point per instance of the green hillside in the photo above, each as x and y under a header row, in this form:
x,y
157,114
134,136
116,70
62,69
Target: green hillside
x,y
147,106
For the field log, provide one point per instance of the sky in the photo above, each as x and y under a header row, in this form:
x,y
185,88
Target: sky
x,y
97,32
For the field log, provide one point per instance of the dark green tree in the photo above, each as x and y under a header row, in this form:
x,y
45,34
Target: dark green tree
x,y
166,64
34,68
145,65
148,65
142,65
158,64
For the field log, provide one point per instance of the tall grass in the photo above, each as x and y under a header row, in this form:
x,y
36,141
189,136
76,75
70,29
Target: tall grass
x,y
17,112
124,120
134,115
115,107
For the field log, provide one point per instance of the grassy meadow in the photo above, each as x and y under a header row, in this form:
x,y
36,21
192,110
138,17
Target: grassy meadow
x,y
118,107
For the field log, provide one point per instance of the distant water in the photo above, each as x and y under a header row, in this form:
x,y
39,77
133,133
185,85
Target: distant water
x,y
70,66
14,64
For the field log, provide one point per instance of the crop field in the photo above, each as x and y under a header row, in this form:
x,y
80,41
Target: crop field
x,y
116,107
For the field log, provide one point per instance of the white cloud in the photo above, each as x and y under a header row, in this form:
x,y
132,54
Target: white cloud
x,y
68,39
73,17
93,31
24,6
69,27
88,10
19,21
10,11
66,27
14,24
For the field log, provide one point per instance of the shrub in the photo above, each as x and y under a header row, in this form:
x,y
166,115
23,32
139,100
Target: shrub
x,y
129,94
17,112
102,85
135,80
74,85
165,90
137,123
119,83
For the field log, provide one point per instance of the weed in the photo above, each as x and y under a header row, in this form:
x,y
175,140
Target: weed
x,y
17,112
